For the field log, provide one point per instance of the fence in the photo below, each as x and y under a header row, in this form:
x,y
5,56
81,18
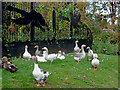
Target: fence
x,y
59,32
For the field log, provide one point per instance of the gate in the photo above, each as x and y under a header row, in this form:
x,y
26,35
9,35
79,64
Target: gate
x,y
59,33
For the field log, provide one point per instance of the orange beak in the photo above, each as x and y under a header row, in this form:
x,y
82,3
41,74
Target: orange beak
x,y
31,57
35,47
42,48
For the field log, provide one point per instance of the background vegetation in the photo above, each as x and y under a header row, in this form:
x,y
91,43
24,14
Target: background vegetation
x,y
103,42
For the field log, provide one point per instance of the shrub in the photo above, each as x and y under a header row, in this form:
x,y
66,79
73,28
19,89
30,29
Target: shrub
x,y
105,47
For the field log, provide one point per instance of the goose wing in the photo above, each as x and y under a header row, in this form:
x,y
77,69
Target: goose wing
x,y
37,74
45,74
52,56
79,56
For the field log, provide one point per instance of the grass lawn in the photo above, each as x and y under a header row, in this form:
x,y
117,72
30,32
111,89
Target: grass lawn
x,y
0,79
66,73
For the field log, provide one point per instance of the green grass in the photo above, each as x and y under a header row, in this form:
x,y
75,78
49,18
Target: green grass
x,y
0,79
66,73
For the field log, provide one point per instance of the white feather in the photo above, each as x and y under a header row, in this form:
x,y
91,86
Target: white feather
x,y
95,62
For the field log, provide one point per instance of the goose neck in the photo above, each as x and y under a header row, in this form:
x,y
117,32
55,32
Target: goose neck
x,y
76,44
88,50
82,50
46,54
36,65
37,48
25,49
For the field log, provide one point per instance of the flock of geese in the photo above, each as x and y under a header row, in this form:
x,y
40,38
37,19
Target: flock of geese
x,y
90,56
43,56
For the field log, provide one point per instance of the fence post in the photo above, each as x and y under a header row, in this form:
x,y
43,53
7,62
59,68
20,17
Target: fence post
x,y
54,23
71,24
1,29
71,31
32,26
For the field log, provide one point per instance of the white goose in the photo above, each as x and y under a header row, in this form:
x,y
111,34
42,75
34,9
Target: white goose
x,y
90,54
50,57
77,49
26,54
79,56
61,55
95,62
39,74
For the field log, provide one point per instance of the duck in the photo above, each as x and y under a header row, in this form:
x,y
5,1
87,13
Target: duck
x,y
26,54
39,74
8,66
50,57
95,62
90,54
79,56
61,55
37,52
76,48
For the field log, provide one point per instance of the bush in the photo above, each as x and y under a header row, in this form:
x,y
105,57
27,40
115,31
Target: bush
x,y
103,42
105,47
